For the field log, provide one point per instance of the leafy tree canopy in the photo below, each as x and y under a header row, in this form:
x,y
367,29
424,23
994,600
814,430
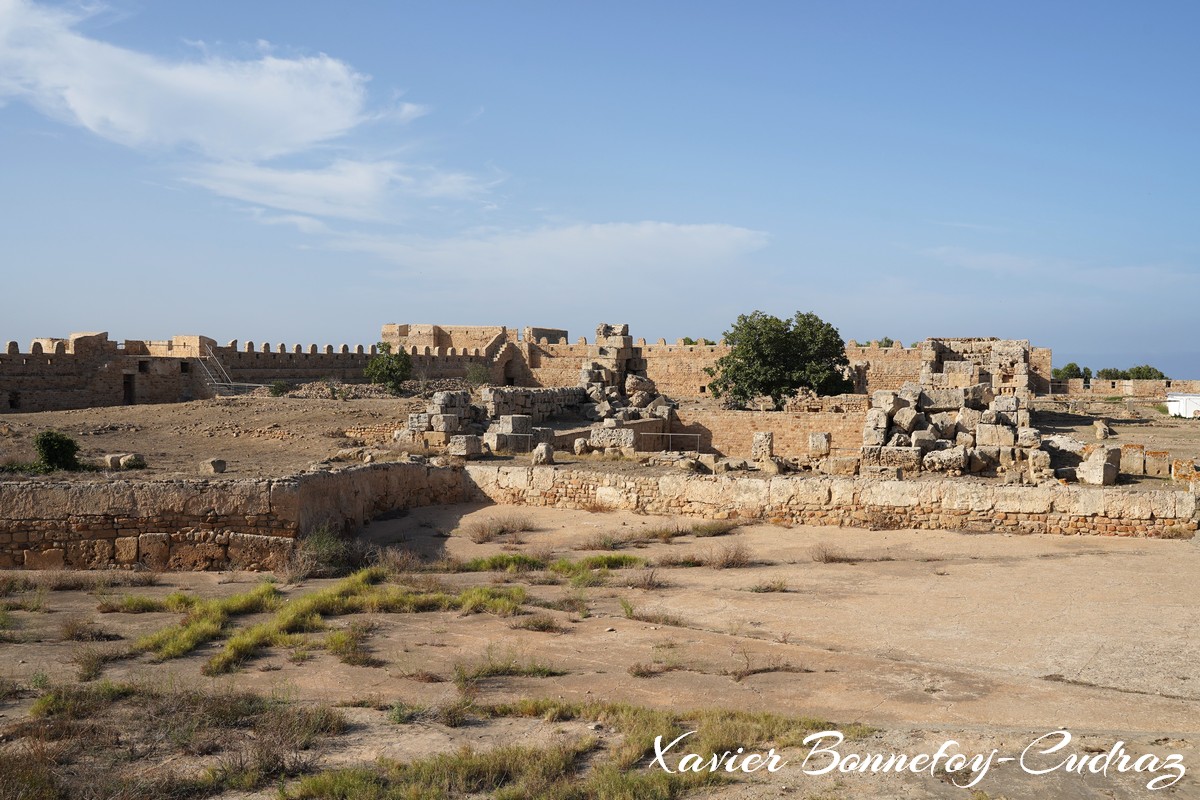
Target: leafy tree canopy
x,y
1071,370
774,357
388,369
1142,372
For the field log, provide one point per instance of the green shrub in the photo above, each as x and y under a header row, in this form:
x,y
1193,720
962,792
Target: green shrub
x,y
478,375
280,388
56,450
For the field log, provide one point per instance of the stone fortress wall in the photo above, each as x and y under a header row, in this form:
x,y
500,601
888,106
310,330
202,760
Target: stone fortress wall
x,y
88,369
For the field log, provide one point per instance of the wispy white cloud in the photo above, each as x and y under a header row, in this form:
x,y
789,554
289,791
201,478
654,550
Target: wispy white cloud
x,y
608,251
221,107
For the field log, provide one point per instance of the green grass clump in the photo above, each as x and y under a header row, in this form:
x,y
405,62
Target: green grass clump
x,y
565,566
357,593
205,620
503,562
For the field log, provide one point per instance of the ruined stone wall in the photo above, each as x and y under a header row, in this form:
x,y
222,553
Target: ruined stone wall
x,y
459,337
678,370
1140,389
553,364
848,502
202,524
88,370
730,433
887,368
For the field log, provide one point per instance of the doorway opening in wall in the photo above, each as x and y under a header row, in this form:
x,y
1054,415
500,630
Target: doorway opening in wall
x,y
14,399
510,378
127,386
143,366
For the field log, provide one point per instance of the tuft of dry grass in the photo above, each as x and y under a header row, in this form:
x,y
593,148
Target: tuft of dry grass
x,y
653,617
641,670
826,554
77,629
646,579
482,531
777,585
90,660
1178,532
350,645
543,623
731,556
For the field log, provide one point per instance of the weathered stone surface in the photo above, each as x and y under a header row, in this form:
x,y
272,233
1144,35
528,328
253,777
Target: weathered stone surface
x,y
877,419
900,440
464,446
54,558
934,400
840,465
133,461
640,399
543,454
888,402
908,419
762,446
964,439
212,466
1102,429
154,550
968,419
874,437
444,423
1158,463
1096,471
515,423
1133,459
906,458
954,458
90,553
926,440
581,446
601,438
1005,402
636,383
1029,438
112,460
818,444
995,436
125,549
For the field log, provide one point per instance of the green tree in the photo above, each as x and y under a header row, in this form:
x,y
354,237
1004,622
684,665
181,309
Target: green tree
x,y
477,375
775,357
1145,372
886,341
1066,373
388,369
1112,374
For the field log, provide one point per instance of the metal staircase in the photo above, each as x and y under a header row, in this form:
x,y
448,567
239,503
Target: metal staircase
x,y
217,377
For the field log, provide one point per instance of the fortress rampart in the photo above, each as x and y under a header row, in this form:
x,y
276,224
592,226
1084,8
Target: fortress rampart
x,y
88,369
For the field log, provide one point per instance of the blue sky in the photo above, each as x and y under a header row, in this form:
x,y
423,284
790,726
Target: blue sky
x,y
304,172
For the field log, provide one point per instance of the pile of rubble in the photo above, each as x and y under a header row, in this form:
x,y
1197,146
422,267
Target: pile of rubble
x,y
448,414
614,378
968,430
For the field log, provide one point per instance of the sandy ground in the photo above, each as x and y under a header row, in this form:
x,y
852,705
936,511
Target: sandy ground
x,y
987,639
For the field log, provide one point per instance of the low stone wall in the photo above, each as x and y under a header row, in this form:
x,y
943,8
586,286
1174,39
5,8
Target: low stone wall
x,y
201,524
541,404
927,504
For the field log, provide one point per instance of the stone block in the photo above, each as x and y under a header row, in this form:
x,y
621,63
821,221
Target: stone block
x,y
978,396
516,423
543,454
1024,418
465,446
419,422
888,402
873,437
900,440
196,556
818,444
1102,430
542,435
1183,469
983,459
1039,461
212,466
444,423
601,438
995,436
54,558
840,465
640,399
1158,463
636,383
1133,459
926,440
1029,437
581,447
934,400
154,550
762,446
877,418
964,439
112,460
1097,471
905,458
1005,402
125,549
908,419
953,459
133,461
